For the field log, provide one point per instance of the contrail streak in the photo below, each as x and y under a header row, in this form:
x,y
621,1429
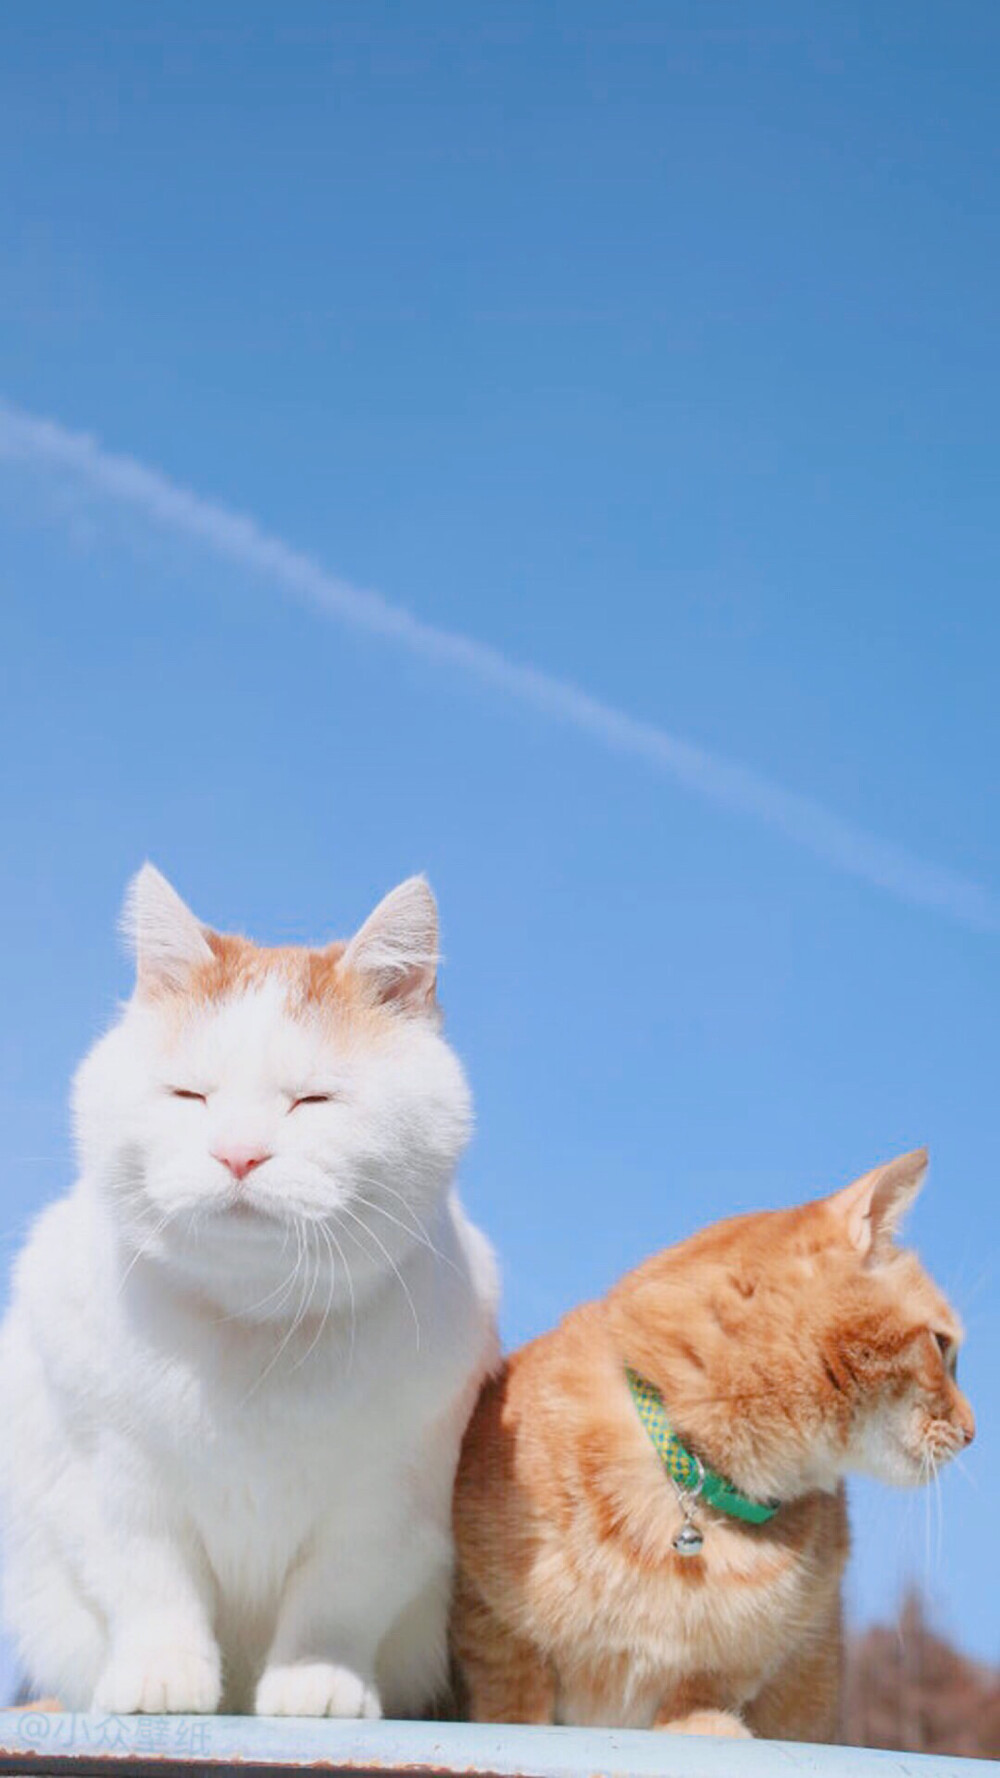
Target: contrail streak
x,y
52,449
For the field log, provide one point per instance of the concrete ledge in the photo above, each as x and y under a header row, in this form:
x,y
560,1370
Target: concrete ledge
x,y
38,1742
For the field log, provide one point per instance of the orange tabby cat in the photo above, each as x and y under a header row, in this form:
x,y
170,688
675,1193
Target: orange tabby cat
x,y
785,1348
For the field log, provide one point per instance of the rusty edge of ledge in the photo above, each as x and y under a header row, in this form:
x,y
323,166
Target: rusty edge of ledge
x,y
39,1743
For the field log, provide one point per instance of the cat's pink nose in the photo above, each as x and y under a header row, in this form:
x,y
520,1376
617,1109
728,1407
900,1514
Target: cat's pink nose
x,y
240,1161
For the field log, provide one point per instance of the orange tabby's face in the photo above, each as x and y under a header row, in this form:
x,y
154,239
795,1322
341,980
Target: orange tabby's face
x,y
793,1346
897,1336
902,1350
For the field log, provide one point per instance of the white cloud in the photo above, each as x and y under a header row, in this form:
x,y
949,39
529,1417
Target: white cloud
x,y
53,450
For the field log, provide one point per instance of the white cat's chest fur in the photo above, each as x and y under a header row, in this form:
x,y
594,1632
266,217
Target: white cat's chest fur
x,y
263,1445
160,1403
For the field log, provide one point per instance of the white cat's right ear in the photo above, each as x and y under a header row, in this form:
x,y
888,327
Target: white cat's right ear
x,y
395,954
167,939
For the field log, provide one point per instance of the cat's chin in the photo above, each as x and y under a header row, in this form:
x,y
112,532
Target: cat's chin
x,y
893,1460
246,1216
217,1225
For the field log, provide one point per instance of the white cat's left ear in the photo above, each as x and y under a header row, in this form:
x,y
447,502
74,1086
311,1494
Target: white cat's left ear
x,y
396,951
168,939
873,1207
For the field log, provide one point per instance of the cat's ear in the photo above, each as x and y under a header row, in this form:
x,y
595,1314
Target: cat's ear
x,y
167,939
872,1209
395,954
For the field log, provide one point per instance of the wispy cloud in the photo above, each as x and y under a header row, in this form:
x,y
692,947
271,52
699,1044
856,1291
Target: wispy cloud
x,y
53,450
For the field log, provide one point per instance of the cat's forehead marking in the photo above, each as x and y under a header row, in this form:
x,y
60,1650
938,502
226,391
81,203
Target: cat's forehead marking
x,y
237,965
309,982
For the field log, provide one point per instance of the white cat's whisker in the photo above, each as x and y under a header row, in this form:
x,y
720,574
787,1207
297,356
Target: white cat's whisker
x,y
308,1281
350,1291
18,1232
419,1234
414,1229
420,1228
20,1160
194,1224
317,1336
278,1296
301,1265
142,1250
383,1249
314,1227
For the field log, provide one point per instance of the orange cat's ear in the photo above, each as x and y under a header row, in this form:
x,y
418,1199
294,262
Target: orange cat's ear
x,y
167,939
395,954
872,1209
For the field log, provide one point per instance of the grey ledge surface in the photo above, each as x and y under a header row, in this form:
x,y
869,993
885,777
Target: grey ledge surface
x,y
40,1742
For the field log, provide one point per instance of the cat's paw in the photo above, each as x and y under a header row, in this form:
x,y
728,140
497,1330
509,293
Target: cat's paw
x,y
315,1688
708,1722
151,1681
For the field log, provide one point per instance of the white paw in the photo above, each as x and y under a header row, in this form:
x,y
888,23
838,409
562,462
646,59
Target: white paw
x,y
710,1722
315,1688
154,1681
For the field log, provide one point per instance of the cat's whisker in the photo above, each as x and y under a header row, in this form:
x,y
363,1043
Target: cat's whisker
x,y
964,1471
925,1491
966,1298
317,1336
420,1227
310,1278
414,1227
33,1160
350,1291
17,1233
907,1521
391,1192
420,1233
142,1250
300,1264
929,1476
334,1273
279,1295
194,1225
383,1249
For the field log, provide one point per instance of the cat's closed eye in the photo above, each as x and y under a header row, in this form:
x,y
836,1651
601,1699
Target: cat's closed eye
x,y
311,1099
949,1352
188,1093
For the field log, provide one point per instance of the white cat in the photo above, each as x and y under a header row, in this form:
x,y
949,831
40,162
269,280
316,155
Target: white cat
x,y
240,1355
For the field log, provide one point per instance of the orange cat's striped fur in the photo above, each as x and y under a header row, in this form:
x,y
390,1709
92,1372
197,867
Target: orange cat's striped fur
x,y
788,1347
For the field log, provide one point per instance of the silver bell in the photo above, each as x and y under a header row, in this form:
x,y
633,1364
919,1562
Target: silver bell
x,y
689,1539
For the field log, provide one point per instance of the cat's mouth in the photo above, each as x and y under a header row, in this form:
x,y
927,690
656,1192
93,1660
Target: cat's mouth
x,y
245,1212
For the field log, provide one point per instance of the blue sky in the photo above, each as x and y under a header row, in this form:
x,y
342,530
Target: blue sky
x,y
655,348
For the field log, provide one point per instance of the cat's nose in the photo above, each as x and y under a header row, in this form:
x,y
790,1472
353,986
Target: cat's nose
x,y
240,1161
966,1423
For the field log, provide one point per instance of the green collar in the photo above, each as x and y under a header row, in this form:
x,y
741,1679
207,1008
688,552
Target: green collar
x,y
689,1473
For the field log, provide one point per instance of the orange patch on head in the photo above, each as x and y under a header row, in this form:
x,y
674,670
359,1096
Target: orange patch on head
x,y
390,963
314,981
